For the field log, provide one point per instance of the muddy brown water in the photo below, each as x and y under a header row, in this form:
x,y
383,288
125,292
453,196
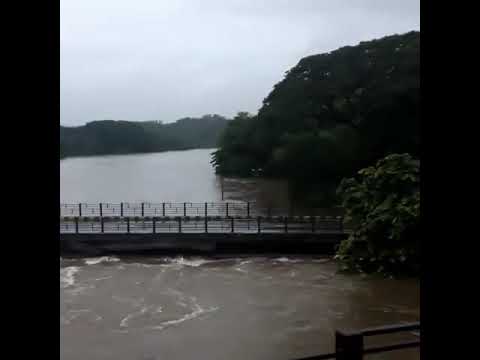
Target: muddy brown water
x,y
257,308
231,308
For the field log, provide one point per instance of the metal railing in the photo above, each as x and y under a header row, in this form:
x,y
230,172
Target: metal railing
x,y
226,209
350,345
199,224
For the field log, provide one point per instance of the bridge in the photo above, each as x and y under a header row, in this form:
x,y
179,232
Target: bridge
x,y
225,209
107,228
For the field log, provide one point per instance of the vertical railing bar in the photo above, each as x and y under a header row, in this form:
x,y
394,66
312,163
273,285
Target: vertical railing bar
x,y
349,346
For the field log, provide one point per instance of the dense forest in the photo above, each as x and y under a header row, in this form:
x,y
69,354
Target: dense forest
x,y
123,137
331,115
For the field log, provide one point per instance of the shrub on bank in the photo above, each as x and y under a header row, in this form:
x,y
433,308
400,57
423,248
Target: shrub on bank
x,y
384,203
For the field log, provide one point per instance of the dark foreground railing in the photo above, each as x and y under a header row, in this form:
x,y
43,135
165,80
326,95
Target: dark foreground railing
x,y
350,345
225,209
199,224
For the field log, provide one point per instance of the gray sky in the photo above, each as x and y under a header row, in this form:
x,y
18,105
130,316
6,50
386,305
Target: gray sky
x,y
167,59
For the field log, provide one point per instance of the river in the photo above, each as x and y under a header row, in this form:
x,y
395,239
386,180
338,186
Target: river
x,y
175,176
276,307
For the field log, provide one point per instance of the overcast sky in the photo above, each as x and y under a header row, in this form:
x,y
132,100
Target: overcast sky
x,y
167,59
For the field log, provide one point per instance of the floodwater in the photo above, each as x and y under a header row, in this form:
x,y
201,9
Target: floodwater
x,y
233,308
175,176
269,308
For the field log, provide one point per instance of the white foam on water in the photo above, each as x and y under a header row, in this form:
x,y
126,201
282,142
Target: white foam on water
x,y
190,262
99,260
124,322
139,265
67,276
287,260
197,312
244,262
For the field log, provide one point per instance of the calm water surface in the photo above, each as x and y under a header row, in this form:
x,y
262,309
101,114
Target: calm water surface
x,y
269,308
177,176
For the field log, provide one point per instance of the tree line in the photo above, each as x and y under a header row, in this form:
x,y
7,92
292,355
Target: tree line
x,y
343,128
124,137
331,115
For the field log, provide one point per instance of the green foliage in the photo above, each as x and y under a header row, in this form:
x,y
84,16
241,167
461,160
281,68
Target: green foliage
x,y
123,137
383,203
236,154
331,115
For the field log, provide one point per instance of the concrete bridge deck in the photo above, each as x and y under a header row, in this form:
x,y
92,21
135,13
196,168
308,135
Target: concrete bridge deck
x,y
148,228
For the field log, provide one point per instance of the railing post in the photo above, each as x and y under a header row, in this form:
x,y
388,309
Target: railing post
x,y
206,211
259,224
143,209
76,225
128,225
184,209
349,346
206,224
179,224
227,210
154,225
101,209
163,209
248,209
286,224
121,209
102,225
80,209
232,219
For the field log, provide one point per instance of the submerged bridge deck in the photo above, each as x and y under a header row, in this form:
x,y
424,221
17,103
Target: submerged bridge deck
x,y
235,227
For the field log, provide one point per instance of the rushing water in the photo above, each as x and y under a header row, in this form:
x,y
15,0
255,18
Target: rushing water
x,y
235,308
273,307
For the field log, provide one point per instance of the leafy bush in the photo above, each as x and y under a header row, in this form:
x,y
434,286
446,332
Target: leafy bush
x,y
383,203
